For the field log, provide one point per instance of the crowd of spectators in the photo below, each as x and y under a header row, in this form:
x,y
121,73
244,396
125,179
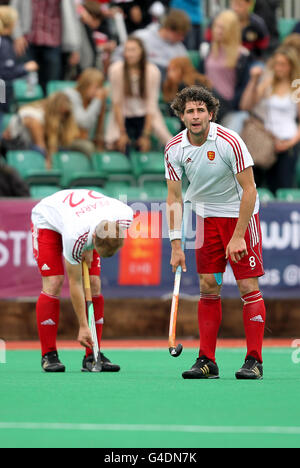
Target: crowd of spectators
x,y
124,61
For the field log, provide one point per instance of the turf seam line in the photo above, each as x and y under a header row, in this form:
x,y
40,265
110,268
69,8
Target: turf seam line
x,y
282,430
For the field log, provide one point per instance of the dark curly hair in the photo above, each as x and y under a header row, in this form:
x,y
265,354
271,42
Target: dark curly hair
x,y
196,94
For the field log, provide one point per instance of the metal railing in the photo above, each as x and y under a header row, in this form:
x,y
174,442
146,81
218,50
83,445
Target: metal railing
x,y
288,8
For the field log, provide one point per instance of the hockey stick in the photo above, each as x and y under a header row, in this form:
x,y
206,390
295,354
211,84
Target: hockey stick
x,y
174,350
91,317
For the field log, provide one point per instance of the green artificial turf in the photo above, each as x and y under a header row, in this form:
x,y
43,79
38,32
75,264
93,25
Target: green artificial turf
x,y
148,404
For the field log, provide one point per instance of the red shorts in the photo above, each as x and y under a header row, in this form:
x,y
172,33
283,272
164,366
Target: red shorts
x,y
48,252
213,236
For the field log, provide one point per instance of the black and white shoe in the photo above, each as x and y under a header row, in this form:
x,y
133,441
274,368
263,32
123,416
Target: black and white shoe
x,y
51,363
106,365
202,369
251,370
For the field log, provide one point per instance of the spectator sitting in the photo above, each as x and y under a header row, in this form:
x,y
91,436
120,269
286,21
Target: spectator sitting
x,y
135,87
227,64
45,30
45,126
181,73
278,108
163,42
9,68
194,10
88,102
255,34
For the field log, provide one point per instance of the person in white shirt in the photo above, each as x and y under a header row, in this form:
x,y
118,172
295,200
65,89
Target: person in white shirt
x,y
163,41
74,226
222,190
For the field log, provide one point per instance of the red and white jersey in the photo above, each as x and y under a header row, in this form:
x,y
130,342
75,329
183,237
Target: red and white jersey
x,y
75,214
211,170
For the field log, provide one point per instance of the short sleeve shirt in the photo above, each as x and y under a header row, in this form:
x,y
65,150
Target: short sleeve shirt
x,y
211,170
75,214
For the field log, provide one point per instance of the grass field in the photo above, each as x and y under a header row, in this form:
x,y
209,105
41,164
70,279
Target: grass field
x,y
148,404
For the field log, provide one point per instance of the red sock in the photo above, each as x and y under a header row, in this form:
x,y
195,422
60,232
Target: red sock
x,y
210,317
254,322
98,303
47,313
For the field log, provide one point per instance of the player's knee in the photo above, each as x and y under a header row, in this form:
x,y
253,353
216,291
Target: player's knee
x,y
208,285
52,285
95,285
246,286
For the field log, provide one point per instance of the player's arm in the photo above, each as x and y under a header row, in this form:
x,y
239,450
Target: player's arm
x,y
236,248
174,216
78,300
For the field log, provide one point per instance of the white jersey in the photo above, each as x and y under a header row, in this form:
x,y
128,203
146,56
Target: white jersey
x,y
211,170
75,214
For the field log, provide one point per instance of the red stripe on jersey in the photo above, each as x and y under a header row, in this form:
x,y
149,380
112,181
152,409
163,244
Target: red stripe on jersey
x,y
173,142
236,148
78,246
172,172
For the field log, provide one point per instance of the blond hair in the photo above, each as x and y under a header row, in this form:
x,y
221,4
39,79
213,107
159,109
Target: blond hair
x,y
293,40
88,77
8,18
109,238
232,37
291,55
60,127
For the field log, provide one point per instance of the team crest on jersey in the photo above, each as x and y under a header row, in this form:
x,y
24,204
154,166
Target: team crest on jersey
x,y
211,155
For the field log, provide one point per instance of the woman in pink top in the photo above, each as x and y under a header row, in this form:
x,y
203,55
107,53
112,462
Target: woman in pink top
x,y
135,88
227,62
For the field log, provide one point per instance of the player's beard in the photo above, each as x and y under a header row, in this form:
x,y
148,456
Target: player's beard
x,y
202,132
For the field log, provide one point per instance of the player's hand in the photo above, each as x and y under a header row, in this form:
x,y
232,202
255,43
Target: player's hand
x,y
87,257
85,337
236,249
178,259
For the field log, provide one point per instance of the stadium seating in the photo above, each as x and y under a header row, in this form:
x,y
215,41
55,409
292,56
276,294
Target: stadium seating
x,y
43,191
148,166
31,167
23,94
115,164
5,121
286,26
195,58
132,193
56,85
265,195
173,124
77,170
289,195
157,189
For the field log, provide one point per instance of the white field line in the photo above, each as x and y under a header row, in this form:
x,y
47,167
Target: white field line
x,y
284,430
